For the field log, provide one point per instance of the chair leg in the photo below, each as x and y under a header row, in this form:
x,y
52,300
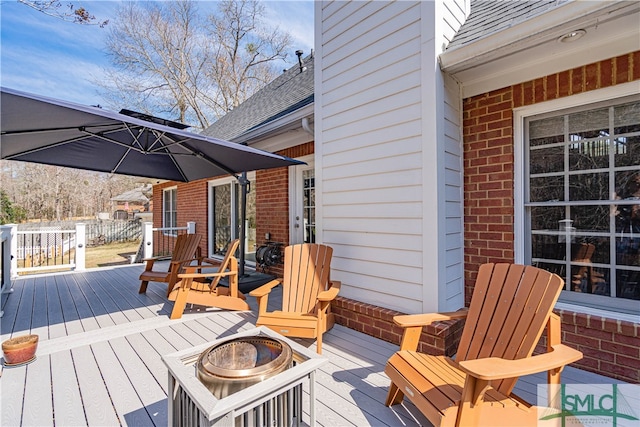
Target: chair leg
x,y
394,396
180,303
143,287
319,344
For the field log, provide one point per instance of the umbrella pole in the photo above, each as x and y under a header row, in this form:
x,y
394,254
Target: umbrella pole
x,y
244,182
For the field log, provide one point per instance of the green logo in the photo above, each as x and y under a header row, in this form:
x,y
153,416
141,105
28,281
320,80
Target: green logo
x,y
591,405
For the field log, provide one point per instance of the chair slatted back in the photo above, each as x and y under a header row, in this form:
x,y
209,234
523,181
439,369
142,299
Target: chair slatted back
x,y
509,309
307,268
229,262
186,247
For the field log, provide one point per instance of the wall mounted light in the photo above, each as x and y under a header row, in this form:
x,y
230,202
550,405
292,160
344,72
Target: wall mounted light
x,y
572,36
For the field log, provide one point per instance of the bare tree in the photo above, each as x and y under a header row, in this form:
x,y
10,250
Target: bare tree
x,y
47,192
77,15
169,58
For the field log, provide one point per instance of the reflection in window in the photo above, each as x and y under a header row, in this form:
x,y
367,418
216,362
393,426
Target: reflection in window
x,y
583,199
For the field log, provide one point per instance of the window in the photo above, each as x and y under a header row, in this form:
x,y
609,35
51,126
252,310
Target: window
x,y
582,201
170,211
225,216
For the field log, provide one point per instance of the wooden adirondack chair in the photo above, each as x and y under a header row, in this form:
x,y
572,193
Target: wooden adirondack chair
x,y
194,286
510,306
184,253
307,293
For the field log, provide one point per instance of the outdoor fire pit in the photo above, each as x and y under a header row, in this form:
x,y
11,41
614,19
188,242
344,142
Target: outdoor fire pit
x,y
233,365
253,378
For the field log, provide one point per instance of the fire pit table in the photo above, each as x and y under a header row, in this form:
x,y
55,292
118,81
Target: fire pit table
x,y
275,400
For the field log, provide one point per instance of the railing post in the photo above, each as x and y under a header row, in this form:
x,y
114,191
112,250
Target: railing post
x,y
81,244
147,239
191,227
13,244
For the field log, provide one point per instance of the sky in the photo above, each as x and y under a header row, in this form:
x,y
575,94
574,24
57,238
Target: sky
x,y
47,56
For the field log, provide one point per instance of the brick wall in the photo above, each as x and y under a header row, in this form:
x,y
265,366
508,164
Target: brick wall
x,y
610,347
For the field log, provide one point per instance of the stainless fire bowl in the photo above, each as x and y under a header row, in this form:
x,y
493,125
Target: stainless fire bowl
x,y
233,365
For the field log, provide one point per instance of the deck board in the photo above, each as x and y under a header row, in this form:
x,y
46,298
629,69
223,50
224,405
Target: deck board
x,y
67,400
101,346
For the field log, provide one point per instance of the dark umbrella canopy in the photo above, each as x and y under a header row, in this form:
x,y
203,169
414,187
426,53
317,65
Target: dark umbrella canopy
x,y
50,131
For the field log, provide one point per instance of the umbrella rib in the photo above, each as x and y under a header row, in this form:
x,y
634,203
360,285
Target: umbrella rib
x,y
200,154
35,150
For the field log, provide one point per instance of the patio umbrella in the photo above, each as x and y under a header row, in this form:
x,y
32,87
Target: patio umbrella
x,y
55,132
44,130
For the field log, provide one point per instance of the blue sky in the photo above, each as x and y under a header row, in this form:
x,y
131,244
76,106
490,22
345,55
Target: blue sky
x,y
50,57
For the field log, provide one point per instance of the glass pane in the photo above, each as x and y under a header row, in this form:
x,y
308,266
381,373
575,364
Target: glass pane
x,y
589,124
221,217
590,280
250,249
546,160
546,131
546,189
547,247
589,155
590,218
308,206
626,118
628,284
546,217
628,250
589,186
627,149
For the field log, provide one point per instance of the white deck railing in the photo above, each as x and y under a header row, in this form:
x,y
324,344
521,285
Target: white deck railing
x,y
48,247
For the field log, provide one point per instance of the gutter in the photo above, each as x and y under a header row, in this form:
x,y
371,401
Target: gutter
x,y
286,122
533,32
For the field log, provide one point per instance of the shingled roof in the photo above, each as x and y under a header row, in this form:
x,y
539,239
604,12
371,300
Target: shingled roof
x,y
289,92
489,17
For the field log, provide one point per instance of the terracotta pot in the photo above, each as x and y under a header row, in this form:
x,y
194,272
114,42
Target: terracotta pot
x,y
20,349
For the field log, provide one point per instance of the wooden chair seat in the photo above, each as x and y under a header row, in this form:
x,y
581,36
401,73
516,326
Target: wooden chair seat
x,y
435,384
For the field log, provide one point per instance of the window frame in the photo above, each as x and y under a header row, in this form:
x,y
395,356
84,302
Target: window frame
x,y
521,251
174,204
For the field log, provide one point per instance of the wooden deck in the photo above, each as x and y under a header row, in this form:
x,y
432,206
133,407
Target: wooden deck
x,y
99,357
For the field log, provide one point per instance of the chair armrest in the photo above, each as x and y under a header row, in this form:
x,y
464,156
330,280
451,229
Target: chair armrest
x,y
412,320
331,293
495,368
205,275
265,289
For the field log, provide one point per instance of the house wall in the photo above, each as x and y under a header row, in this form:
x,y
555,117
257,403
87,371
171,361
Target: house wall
x,y
610,346
192,206
388,168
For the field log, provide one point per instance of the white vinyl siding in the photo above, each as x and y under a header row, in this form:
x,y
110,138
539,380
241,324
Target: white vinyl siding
x,y
373,175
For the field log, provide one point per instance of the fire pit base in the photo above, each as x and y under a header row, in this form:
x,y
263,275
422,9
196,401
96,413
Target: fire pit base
x,y
276,400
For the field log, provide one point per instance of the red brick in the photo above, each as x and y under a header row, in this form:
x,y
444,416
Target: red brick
x,y
629,374
622,69
564,83
606,73
576,80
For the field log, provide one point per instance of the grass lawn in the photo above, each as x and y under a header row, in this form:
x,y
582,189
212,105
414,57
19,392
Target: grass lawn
x,y
110,254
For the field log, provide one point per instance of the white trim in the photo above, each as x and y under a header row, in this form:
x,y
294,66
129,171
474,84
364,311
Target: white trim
x,y
530,33
598,312
519,114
